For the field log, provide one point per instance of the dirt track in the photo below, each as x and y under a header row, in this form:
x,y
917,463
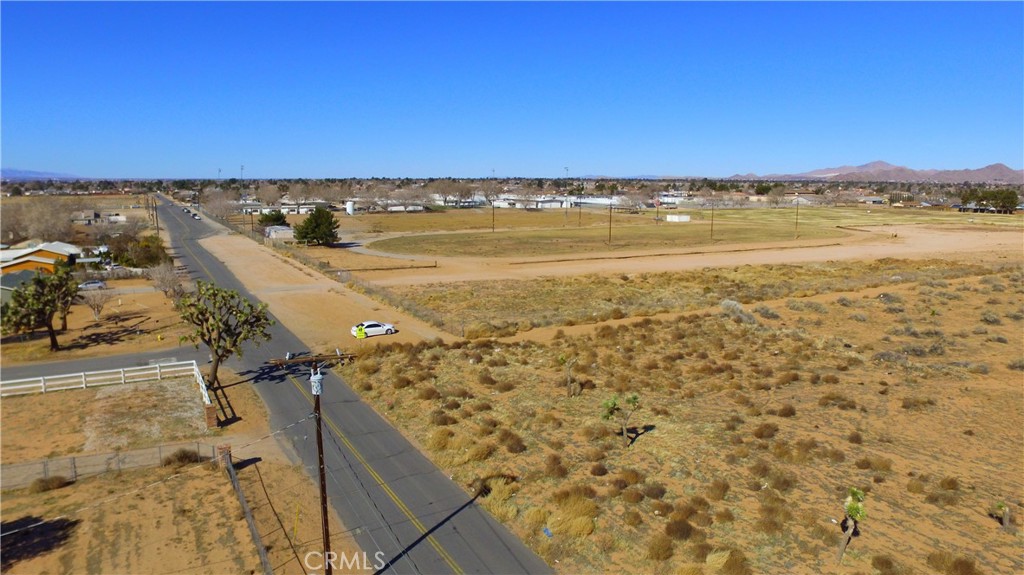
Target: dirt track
x,y
320,311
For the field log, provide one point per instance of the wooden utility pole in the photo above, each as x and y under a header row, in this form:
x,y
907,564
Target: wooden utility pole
x,y
609,224
316,381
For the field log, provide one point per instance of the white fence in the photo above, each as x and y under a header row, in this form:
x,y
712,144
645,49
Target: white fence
x,y
87,379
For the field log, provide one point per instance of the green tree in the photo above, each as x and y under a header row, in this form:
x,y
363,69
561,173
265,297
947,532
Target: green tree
x,y
274,218
223,320
621,412
65,287
320,227
34,305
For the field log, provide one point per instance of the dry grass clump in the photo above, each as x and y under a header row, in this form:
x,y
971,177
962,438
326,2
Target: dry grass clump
x,y
480,452
44,484
787,410
724,516
632,476
949,564
632,495
874,463
654,491
595,431
766,431
680,529
632,518
593,454
659,548
598,470
886,565
915,485
430,393
837,400
181,457
855,437
553,466
575,516
662,508
438,417
947,493
917,402
717,489
728,562
485,378
505,386
439,439
511,441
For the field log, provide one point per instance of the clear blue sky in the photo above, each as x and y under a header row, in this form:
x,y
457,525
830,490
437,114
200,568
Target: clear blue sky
x,y
525,89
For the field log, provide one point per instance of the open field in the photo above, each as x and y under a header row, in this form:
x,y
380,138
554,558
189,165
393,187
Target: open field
x,y
753,423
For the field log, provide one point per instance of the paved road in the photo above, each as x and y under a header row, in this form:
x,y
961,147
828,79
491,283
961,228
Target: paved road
x,y
394,499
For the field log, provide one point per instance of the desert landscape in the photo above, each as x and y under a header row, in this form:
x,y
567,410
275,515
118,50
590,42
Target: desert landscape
x,y
770,378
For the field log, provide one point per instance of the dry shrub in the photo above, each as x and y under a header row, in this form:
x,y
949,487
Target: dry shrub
x,y
593,454
181,457
717,489
949,483
838,400
631,476
595,431
428,393
679,530
946,562
728,562
690,570
480,452
874,463
699,503
654,491
942,498
44,484
598,470
886,565
536,517
855,438
632,495
724,516
662,508
575,516
553,467
367,366
760,468
917,402
702,520
781,480
575,490
915,485
452,404
787,410
485,378
438,417
659,548
505,386
632,518
438,440
766,431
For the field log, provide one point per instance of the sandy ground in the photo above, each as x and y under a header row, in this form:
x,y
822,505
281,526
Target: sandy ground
x,y
296,294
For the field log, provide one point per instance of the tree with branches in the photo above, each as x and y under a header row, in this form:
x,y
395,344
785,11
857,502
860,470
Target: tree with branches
x,y
96,301
319,227
621,410
35,305
166,280
223,320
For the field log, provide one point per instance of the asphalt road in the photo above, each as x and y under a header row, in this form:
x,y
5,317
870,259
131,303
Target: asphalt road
x,y
395,501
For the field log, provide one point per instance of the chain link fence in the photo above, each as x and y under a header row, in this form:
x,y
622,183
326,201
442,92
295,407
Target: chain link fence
x,y
19,475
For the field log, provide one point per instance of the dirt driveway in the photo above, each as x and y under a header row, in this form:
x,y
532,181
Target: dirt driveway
x,y
320,311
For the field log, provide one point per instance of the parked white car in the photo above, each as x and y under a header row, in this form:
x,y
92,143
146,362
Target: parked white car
x,y
372,328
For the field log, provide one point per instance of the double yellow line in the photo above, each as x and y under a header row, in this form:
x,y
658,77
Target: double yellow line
x,y
380,481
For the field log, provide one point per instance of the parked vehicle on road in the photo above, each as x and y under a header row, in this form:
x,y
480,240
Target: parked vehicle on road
x,y
92,285
372,328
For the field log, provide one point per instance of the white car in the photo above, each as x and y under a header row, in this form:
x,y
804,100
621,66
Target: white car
x,y
92,284
196,217
373,328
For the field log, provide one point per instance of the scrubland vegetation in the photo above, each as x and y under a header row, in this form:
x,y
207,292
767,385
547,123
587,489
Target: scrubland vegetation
x,y
772,392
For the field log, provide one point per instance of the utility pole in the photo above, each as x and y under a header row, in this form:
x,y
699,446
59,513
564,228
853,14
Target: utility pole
x,y
566,197
796,232
609,223
316,381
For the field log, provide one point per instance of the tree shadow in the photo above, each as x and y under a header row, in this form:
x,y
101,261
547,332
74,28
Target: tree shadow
x,y
108,337
227,414
31,536
634,433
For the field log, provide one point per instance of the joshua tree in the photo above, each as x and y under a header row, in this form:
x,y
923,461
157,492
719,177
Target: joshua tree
x,y
612,409
854,513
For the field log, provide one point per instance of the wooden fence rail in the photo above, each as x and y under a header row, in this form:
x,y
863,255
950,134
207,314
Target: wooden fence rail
x,y
156,372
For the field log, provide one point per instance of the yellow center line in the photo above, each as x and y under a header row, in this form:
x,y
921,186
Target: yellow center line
x,y
380,481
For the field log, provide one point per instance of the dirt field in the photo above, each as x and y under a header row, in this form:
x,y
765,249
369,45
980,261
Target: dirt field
x,y
153,521
749,432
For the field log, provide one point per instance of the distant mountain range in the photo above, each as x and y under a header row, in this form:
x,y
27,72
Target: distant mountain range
x,y
871,172
885,172
29,175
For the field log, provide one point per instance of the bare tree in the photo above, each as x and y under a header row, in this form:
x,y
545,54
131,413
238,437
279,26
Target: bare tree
x,y
12,222
219,204
96,300
166,280
268,193
50,221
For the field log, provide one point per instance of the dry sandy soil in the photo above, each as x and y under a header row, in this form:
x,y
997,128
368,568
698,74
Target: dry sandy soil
x,y
296,294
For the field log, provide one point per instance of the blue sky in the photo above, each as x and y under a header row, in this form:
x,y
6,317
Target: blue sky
x,y
421,89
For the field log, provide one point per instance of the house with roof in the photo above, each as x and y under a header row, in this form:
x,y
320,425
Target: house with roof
x,y
44,257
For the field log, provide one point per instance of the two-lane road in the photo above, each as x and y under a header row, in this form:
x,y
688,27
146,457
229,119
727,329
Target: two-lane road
x,y
394,500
